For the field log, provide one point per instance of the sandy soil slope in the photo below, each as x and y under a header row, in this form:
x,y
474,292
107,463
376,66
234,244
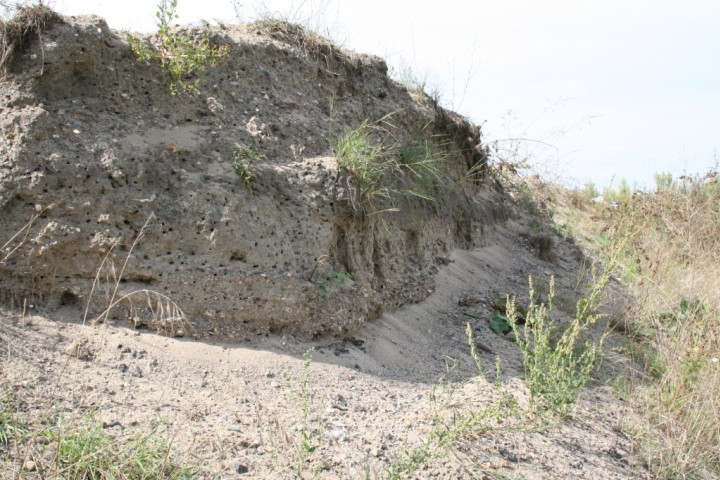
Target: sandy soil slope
x,y
234,408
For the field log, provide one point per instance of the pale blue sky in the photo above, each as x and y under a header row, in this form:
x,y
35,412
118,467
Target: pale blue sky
x,y
619,88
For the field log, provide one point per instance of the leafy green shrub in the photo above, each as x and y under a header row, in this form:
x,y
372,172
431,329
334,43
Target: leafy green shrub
x,y
557,364
180,55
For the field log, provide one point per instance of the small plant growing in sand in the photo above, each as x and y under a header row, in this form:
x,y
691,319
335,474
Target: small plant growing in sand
x,y
11,426
180,54
296,450
84,450
453,426
557,364
304,393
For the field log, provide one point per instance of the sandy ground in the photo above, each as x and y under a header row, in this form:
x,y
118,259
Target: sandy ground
x,y
237,410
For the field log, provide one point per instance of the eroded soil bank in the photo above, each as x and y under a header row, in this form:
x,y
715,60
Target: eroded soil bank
x,y
100,164
312,316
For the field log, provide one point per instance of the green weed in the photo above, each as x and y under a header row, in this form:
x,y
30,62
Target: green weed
x,y
305,387
242,157
180,55
445,434
451,428
296,450
328,282
557,364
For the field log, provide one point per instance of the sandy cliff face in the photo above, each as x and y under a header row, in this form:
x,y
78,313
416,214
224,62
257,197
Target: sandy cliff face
x,y
95,155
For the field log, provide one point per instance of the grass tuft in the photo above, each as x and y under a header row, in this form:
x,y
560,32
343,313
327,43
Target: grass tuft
x,y
360,152
81,449
27,22
313,44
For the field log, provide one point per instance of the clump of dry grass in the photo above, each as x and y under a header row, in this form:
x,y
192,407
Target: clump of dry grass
x,y
671,265
145,307
27,22
314,44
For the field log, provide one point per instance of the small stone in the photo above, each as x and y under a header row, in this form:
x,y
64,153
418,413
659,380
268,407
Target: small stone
x,y
469,301
77,350
38,207
508,455
114,425
240,468
275,384
336,434
29,466
616,453
137,372
73,349
49,455
123,368
179,333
